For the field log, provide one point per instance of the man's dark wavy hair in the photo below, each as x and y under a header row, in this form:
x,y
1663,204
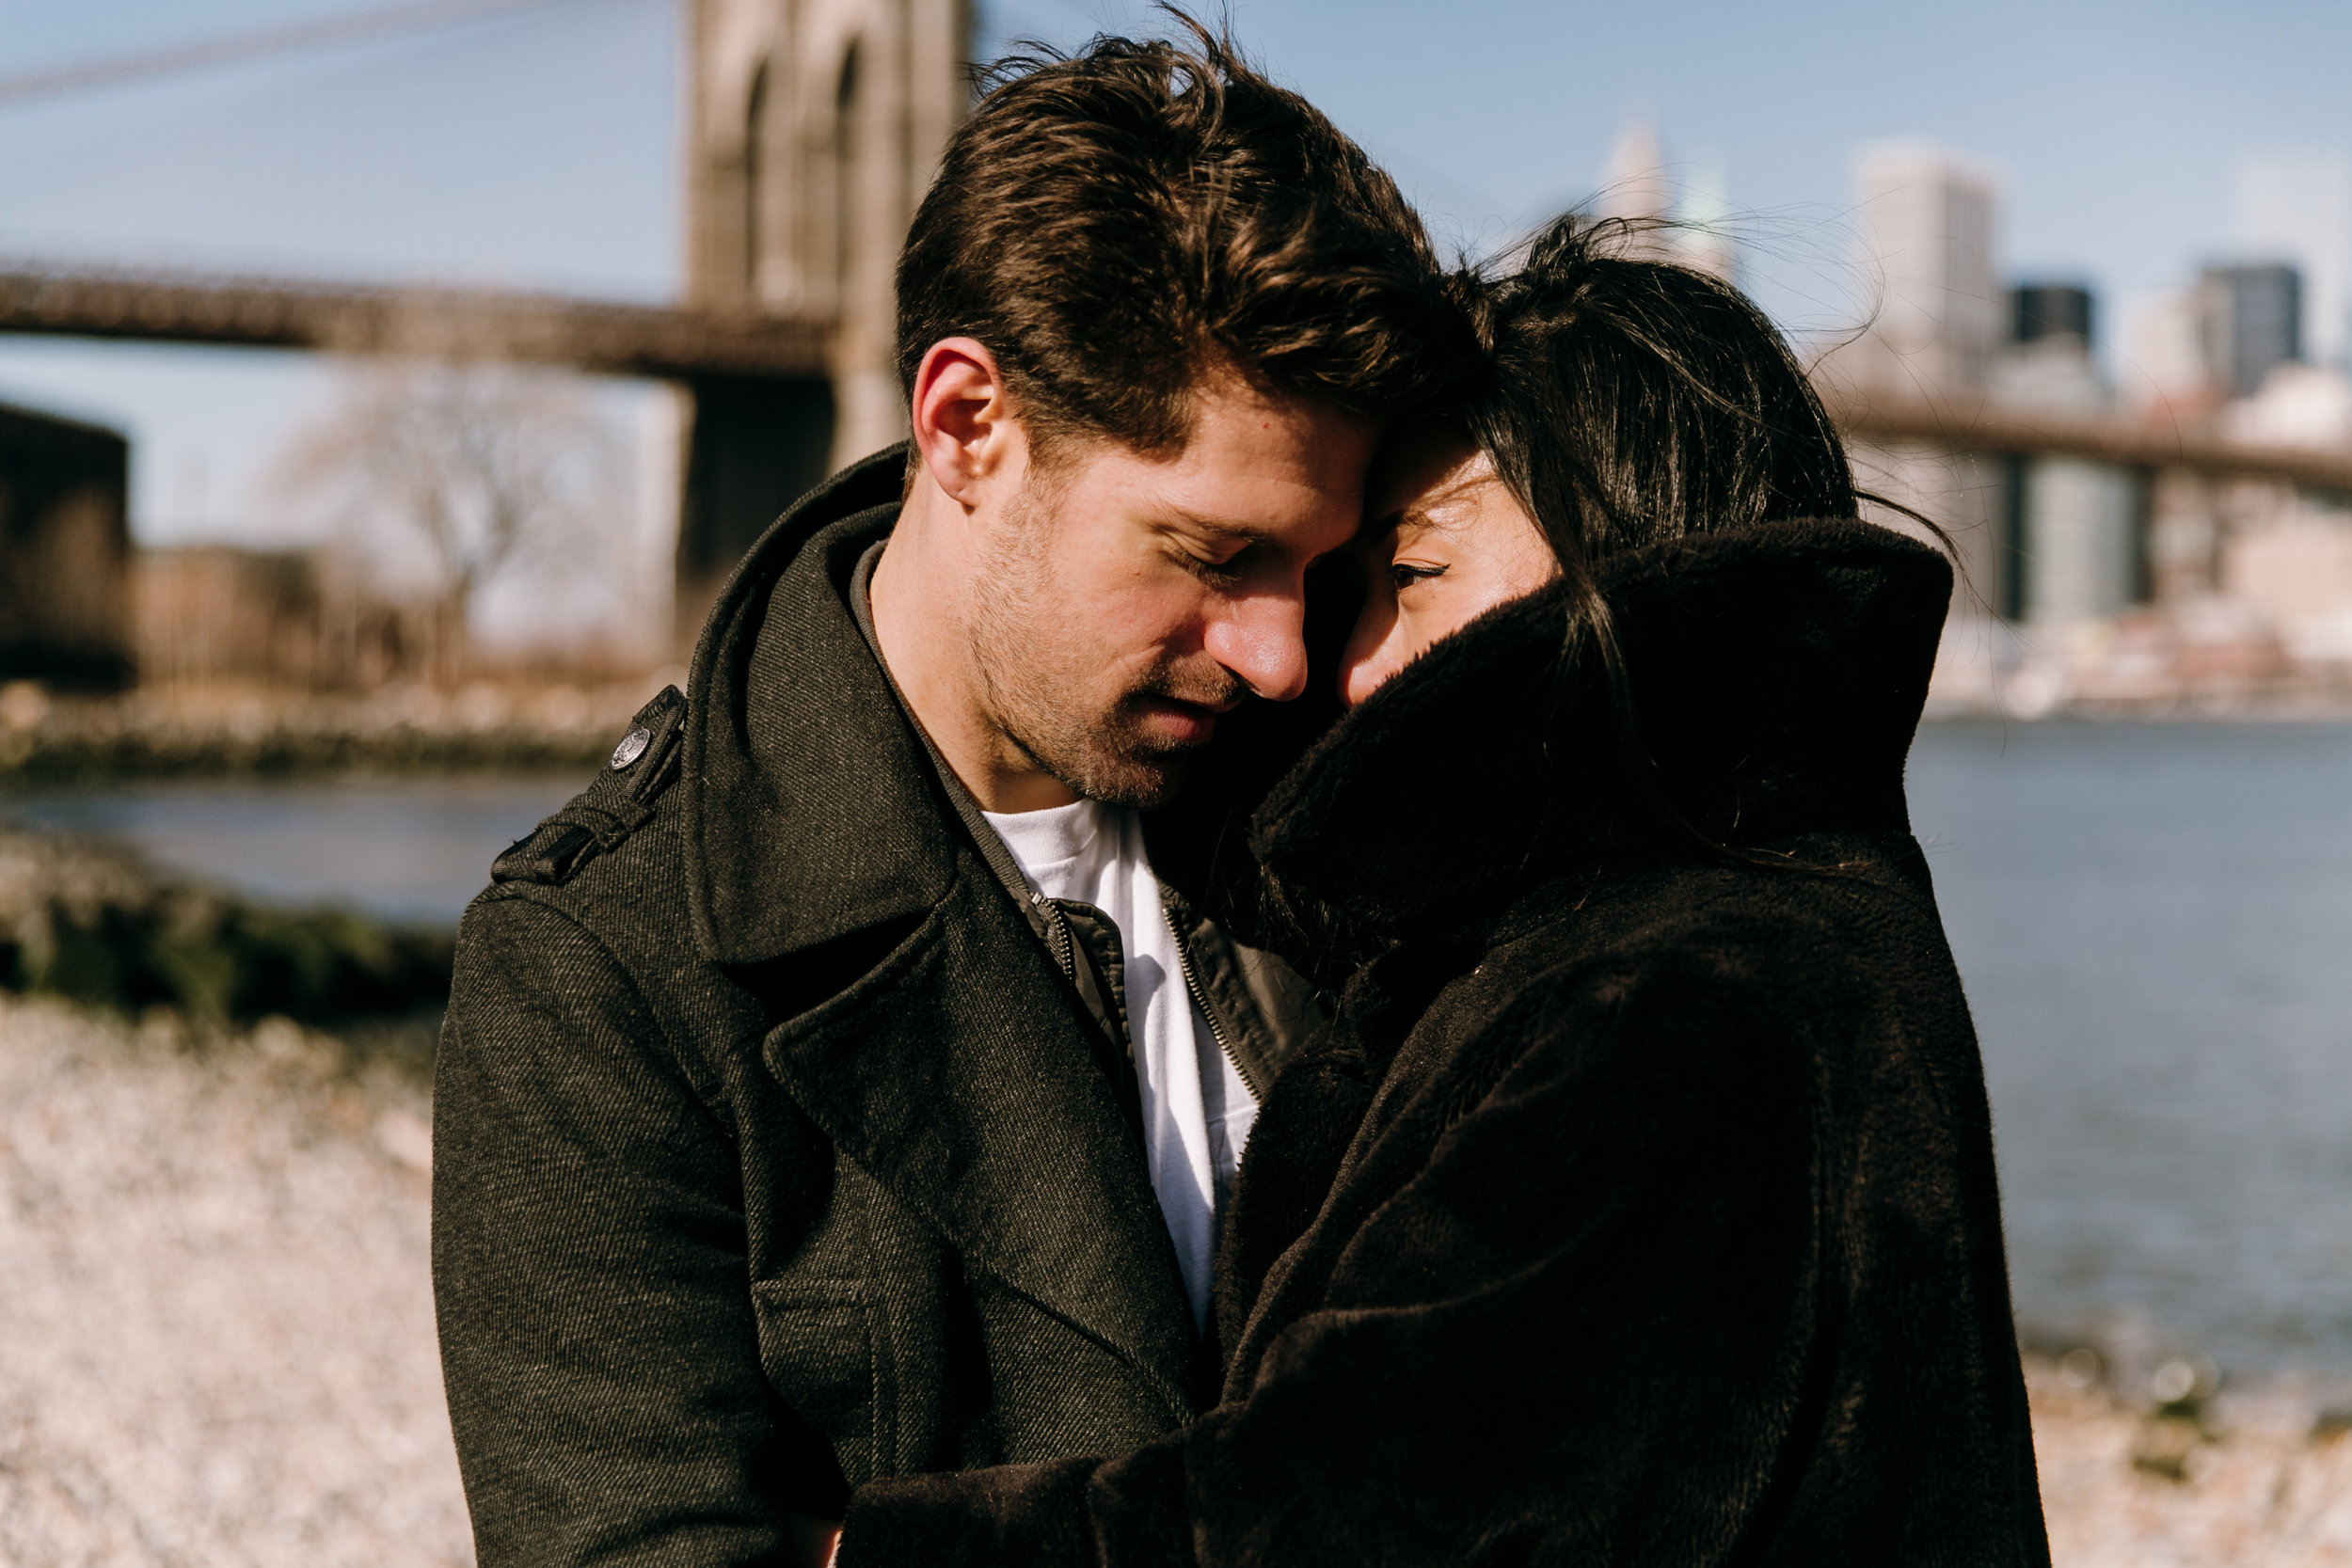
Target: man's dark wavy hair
x,y
1115,222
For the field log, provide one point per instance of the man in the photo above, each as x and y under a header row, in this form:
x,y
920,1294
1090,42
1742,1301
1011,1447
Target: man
x,y
835,1090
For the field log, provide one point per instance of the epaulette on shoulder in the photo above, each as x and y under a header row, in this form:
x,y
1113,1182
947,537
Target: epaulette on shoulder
x,y
600,819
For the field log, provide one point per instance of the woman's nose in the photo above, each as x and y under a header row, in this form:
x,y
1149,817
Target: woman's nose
x,y
1374,651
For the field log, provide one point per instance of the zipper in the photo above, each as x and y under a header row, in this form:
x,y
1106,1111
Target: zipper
x,y
1200,999
1063,943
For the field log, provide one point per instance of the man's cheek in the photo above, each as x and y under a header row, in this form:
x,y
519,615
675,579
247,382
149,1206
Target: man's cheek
x,y
1164,621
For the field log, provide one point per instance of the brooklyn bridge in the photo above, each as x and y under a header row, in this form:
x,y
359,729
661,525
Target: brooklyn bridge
x,y
811,130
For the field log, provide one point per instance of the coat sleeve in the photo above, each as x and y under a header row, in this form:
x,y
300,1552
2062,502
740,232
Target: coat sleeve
x,y
589,1270
1561,1306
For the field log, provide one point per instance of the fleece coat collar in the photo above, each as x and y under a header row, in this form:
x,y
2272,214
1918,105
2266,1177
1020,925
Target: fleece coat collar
x,y
1778,671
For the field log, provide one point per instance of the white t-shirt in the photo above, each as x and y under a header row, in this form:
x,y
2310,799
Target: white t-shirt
x,y
1197,1111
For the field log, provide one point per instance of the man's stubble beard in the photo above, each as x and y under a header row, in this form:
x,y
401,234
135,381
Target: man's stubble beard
x,y
1037,680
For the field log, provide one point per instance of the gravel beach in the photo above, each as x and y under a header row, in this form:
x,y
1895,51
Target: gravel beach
x,y
216,1322
217,1335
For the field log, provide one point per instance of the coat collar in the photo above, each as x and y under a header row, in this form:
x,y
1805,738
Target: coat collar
x,y
1777,673
813,811
932,1038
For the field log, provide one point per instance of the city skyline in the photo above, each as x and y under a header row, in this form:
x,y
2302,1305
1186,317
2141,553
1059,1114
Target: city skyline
x,y
539,148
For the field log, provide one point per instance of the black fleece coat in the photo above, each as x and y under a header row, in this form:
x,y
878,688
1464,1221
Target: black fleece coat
x,y
1640,1205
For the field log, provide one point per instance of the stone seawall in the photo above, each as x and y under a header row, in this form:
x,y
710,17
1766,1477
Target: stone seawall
x,y
47,742
96,925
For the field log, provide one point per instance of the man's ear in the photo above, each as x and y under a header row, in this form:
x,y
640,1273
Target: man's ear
x,y
964,428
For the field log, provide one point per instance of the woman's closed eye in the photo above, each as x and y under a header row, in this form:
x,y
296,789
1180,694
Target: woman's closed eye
x,y
1404,574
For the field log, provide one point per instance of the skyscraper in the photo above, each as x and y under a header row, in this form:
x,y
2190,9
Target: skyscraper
x,y
1934,318
1633,183
2043,310
1940,313
2297,207
1680,212
1707,239
2161,364
2072,524
2251,319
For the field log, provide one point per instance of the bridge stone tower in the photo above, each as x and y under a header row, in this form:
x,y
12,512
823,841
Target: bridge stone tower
x,y
816,128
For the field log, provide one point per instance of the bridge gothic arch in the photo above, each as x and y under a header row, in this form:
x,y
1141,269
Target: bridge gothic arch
x,y
816,126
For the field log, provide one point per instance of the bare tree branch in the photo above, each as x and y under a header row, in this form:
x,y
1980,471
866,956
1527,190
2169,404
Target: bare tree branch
x,y
493,470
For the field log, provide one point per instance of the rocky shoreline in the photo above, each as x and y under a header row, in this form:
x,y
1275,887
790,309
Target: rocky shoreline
x,y
2259,1479
49,742
95,924
217,1344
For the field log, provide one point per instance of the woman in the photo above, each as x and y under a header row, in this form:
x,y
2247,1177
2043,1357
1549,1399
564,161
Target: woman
x,y
1639,1204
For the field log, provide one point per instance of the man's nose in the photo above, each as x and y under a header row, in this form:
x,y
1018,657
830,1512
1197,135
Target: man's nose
x,y
1263,640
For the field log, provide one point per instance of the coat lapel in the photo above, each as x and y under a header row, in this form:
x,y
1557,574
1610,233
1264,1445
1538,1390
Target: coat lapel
x,y
959,1073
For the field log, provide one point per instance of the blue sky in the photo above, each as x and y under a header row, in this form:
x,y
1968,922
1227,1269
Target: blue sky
x,y
540,148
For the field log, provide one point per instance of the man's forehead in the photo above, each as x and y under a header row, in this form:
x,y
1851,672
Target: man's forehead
x,y
1290,449
1227,405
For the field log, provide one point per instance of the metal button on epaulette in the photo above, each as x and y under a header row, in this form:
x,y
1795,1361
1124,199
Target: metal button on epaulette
x,y
632,746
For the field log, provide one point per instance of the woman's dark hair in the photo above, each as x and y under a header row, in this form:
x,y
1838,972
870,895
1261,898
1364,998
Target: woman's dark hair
x,y
1633,401
1628,402
1625,403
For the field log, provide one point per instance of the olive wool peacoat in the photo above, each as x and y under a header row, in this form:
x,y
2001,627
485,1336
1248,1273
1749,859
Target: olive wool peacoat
x,y
774,1150
1640,1205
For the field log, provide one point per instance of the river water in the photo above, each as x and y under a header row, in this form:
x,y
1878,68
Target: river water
x,y
412,850
2154,922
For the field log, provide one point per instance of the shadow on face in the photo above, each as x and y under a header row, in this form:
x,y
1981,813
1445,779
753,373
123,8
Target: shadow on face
x,y
1127,600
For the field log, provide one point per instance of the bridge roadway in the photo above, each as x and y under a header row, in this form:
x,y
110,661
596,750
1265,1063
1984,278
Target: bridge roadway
x,y
667,341
1983,427
690,344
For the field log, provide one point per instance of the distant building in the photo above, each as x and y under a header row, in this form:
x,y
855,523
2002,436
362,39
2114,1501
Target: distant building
x,y
2297,206
2251,320
2285,551
65,547
2040,312
2074,530
1679,214
1927,230
1934,319
2298,405
1707,239
1633,183
212,614
2287,555
2163,367
208,613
